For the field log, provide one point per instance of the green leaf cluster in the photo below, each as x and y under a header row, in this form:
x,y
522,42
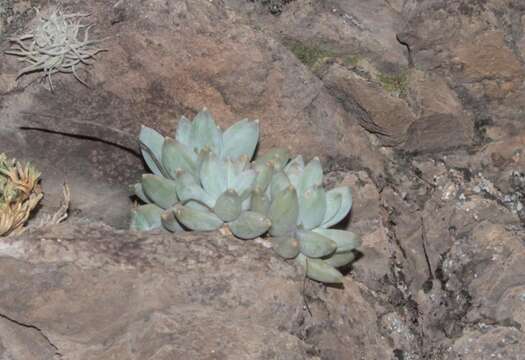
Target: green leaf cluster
x,y
204,179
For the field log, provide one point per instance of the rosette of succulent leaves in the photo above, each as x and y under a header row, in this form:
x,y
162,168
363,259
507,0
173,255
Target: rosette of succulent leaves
x,y
20,193
58,43
203,180
302,213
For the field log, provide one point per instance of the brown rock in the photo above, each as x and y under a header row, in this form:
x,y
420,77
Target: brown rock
x,y
95,293
377,111
432,95
491,343
343,27
487,57
438,132
194,54
368,221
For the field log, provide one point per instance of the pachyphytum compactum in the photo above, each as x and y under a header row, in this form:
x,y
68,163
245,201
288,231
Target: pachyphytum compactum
x,y
204,179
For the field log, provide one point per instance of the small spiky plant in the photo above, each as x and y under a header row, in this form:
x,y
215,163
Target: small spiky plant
x,y
58,43
20,192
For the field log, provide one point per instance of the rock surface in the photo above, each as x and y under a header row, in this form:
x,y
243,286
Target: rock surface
x,y
417,105
86,291
195,54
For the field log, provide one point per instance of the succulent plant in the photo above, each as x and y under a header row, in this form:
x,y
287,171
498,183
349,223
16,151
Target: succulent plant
x,y
19,194
301,212
58,43
201,180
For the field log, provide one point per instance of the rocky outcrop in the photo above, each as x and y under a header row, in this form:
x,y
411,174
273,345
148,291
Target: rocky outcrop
x,y
194,55
86,291
417,105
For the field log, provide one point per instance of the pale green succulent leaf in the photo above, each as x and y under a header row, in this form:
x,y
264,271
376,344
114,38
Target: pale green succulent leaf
x,y
246,203
278,156
344,208
213,175
345,240
228,206
154,142
146,217
317,269
188,189
160,190
170,222
233,170
136,189
312,207
260,202
176,156
206,133
333,203
249,225
294,170
244,184
340,259
315,245
283,213
264,175
183,133
286,246
312,175
279,183
240,139
196,219
194,204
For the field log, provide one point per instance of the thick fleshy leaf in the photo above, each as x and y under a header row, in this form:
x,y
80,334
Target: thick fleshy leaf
x,y
345,240
286,247
312,175
341,259
283,212
176,156
245,206
294,170
183,133
195,219
260,202
154,142
228,205
250,225
344,208
317,269
279,183
146,217
170,222
244,183
240,139
315,245
234,168
278,156
333,204
205,133
136,189
160,190
187,189
312,207
213,175
264,175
